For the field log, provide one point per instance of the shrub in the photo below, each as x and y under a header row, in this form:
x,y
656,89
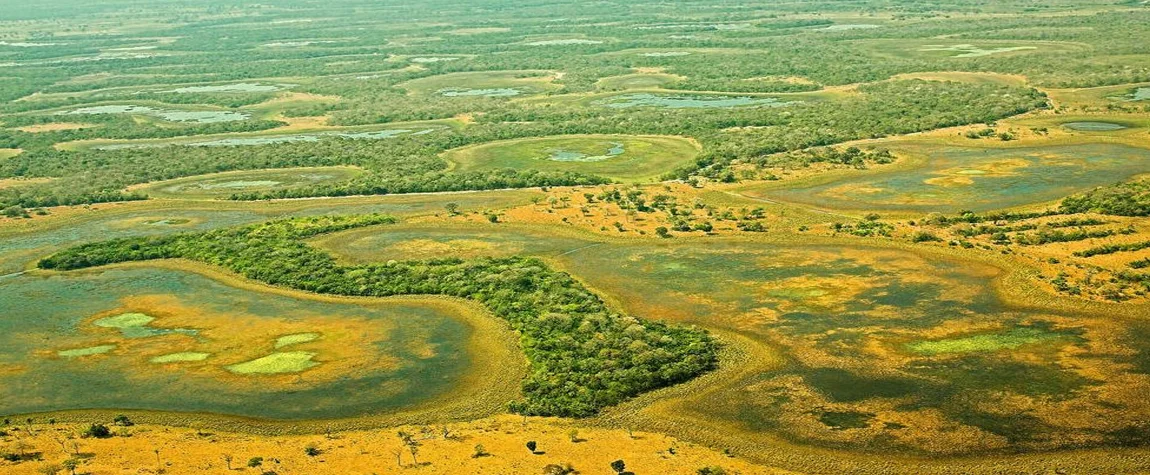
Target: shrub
x,y
98,431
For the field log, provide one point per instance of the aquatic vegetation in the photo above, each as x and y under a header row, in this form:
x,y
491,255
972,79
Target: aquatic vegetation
x,y
1138,94
687,165
181,357
89,351
295,339
277,363
382,345
1008,340
862,330
137,325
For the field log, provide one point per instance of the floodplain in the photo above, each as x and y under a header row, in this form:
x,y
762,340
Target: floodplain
x,y
571,237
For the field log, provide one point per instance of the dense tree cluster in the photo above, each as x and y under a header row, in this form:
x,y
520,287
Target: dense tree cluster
x,y
583,356
1120,199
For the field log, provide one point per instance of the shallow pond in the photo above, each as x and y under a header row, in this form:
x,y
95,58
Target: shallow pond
x,y
222,185
491,92
666,54
237,87
977,179
904,338
625,158
849,26
296,44
573,41
973,51
675,101
573,156
200,117
1094,126
24,44
433,59
272,139
76,340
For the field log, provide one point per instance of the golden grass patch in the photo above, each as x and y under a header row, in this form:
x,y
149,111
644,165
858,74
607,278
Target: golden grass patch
x,y
54,127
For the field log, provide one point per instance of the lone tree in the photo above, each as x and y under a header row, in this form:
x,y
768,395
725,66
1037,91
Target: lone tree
x,y
255,462
51,469
71,465
480,451
411,444
452,208
555,469
618,466
531,445
227,460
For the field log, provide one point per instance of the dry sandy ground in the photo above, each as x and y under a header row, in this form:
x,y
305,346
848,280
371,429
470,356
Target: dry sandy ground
x,y
184,451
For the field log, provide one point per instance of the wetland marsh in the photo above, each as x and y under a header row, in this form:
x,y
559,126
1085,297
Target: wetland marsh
x,y
696,239
976,178
898,341
169,340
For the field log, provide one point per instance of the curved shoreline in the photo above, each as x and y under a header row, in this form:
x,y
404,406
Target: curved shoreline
x,y
492,380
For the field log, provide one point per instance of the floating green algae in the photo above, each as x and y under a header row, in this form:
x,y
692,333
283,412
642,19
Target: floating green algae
x,y
181,357
295,339
1008,340
89,351
276,363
